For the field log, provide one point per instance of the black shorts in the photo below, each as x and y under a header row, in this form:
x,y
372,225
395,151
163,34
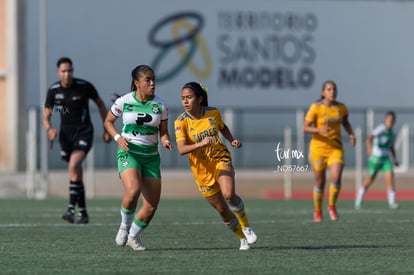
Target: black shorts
x,y
75,137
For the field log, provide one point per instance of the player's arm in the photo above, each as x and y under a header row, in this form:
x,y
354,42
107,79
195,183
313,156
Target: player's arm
x,y
102,111
394,157
164,135
368,144
184,148
348,129
310,128
225,131
51,132
309,125
111,130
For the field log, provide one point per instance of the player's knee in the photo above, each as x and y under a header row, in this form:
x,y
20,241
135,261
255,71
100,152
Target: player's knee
x,y
229,196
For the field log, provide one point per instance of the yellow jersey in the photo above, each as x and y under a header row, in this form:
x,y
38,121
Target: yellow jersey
x,y
333,116
207,161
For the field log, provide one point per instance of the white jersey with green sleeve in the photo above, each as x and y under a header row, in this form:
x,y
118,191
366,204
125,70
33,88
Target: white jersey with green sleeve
x,y
141,121
383,141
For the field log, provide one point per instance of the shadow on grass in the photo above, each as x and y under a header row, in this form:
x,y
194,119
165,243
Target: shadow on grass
x,y
325,247
255,247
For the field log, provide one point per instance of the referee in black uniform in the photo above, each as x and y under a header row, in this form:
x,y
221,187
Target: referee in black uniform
x,y
70,97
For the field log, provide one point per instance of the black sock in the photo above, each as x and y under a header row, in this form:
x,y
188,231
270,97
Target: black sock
x,y
81,198
73,196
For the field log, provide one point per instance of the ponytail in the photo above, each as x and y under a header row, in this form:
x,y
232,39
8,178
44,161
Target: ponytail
x,y
199,90
137,72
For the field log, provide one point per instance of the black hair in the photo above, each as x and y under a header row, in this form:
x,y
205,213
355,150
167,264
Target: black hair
x,y
64,60
199,91
137,72
390,113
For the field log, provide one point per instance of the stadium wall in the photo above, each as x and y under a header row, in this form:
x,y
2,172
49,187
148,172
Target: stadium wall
x,y
262,54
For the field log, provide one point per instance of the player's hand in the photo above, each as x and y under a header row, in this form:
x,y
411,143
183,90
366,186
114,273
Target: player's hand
x,y
106,137
236,143
352,139
167,144
324,130
52,134
123,143
206,141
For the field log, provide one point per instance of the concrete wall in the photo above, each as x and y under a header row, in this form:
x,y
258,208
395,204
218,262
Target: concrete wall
x,y
11,104
268,54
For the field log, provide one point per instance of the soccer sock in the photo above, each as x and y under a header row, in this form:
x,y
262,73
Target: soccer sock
x,y
80,195
73,195
137,227
127,217
235,226
317,198
334,189
391,197
361,194
240,212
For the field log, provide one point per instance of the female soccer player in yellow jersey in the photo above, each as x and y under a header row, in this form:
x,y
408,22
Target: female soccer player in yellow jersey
x,y
324,120
197,135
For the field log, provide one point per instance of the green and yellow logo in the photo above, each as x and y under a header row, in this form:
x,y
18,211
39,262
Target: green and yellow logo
x,y
185,27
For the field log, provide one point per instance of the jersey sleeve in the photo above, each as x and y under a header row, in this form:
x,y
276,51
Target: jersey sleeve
x,y
164,114
49,101
377,131
180,130
311,114
345,111
219,120
118,106
92,92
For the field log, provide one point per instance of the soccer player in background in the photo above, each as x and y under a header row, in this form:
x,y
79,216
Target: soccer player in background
x,y
380,149
197,135
144,117
323,120
70,97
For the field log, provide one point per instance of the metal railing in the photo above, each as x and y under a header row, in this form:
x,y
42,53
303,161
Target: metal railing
x,y
260,129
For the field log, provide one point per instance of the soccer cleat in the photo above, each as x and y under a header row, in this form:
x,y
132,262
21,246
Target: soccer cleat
x,y
83,218
332,212
135,243
358,204
122,236
250,235
317,216
244,245
394,205
68,216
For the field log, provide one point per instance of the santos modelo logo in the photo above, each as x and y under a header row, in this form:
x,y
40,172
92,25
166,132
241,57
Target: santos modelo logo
x,y
181,32
266,49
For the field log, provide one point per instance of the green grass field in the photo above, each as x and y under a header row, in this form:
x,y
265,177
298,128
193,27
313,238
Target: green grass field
x,y
187,237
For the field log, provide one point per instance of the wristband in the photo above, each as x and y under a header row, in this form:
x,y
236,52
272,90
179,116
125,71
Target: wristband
x,y
116,137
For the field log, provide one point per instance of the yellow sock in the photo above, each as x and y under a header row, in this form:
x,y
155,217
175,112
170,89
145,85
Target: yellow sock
x,y
317,198
240,212
334,189
235,226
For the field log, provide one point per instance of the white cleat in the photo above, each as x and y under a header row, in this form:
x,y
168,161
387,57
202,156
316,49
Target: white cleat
x,y
244,245
250,235
135,243
122,236
394,205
